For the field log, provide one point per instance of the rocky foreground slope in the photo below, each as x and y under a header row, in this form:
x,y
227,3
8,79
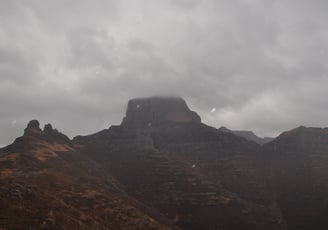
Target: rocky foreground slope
x,y
162,168
47,184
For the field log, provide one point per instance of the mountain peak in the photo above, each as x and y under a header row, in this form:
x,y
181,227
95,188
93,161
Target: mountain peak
x,y
157,110
302,140
47,128
55,135
33,124
33,127
33,135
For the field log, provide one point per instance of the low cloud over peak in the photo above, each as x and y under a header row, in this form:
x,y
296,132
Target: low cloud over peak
x,y
260,64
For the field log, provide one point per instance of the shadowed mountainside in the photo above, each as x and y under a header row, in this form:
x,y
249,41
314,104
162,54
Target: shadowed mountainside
x,y
248,135
47,184
297,166
164,169
192,173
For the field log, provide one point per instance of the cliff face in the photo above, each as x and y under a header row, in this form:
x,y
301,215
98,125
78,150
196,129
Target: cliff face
x,y
297,166
164,169
143,112
197,176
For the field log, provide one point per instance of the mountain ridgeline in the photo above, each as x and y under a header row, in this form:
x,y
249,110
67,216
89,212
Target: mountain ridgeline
x,y
162,168
248,135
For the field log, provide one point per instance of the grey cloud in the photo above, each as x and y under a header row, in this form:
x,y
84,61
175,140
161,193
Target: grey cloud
x,y
185,4
261,64
15,66
63,15
90,47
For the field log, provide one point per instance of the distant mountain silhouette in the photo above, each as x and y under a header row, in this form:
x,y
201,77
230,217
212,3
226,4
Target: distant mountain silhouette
x,y
162,168
248,135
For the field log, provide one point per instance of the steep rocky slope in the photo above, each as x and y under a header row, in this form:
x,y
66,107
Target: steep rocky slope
x,y
197,176
47,184
297,163
162,168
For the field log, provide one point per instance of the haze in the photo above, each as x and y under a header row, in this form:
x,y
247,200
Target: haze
x,y
243,64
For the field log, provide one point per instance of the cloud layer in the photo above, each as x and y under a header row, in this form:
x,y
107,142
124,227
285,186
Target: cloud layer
x,y
245,64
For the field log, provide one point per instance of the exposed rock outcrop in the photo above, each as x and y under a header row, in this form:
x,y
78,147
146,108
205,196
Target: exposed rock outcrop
x,y
166,158
33,134
296,164
47,184
164,169
55,135
33,124
143,112
33,128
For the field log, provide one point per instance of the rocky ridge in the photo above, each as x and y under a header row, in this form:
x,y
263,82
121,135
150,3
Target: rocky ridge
x,y
169,162
248,135
47,184
162,168
296,164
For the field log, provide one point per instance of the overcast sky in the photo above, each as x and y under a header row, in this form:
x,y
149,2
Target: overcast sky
x,y
245,64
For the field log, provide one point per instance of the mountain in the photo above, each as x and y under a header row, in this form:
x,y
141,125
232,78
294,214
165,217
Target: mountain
x,y
47,184
297,166
162,168
142,112
195,175
248,135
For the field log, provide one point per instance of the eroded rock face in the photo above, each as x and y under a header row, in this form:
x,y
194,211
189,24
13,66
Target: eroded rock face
x,y
55,135
166,169
143,112
33,134
33,124
164,164
195,175
48,185
176,172
297,166
32,127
